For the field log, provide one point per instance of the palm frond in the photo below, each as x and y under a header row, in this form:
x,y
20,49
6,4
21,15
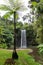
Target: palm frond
x,y
7,15
19,5
4,7
16,5
11,2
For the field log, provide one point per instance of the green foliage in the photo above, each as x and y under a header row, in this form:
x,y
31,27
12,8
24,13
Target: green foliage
x,y
35,3
7,15
19,25
24,59
7,35
4,46
6,8
31,35
40,47
40,7
6,32
38,25
34,31
26,26
11,7
38,28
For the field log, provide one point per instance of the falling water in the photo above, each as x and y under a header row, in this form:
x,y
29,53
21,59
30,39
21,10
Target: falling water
x,y
23,39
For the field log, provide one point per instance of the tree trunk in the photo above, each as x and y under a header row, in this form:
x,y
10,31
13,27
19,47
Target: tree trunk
x,y
14,55
15,31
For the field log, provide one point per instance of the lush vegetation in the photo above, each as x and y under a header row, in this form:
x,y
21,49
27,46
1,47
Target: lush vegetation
x,y
24,58
34,35
40,47
38,25
34,30
7,33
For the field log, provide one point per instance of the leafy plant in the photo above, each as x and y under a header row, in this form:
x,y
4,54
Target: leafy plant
x,y
4,46
40,47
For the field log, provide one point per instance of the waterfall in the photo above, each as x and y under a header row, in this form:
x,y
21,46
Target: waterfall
x,y
23,39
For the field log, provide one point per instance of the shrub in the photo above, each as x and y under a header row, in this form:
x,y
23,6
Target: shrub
x,y
40,47
4,46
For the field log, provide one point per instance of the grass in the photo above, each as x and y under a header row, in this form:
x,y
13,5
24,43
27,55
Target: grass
x,y
24,58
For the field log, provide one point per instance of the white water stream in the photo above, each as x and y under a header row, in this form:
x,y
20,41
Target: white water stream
x,y
23,39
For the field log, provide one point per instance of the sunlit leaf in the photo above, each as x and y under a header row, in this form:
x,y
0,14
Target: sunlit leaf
x,y
7,15
5,8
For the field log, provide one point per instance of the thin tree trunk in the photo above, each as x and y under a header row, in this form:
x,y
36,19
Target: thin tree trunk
x,y
14,55
15,31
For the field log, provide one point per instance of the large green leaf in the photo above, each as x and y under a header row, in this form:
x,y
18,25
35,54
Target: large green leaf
x,y
7,15
4,7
